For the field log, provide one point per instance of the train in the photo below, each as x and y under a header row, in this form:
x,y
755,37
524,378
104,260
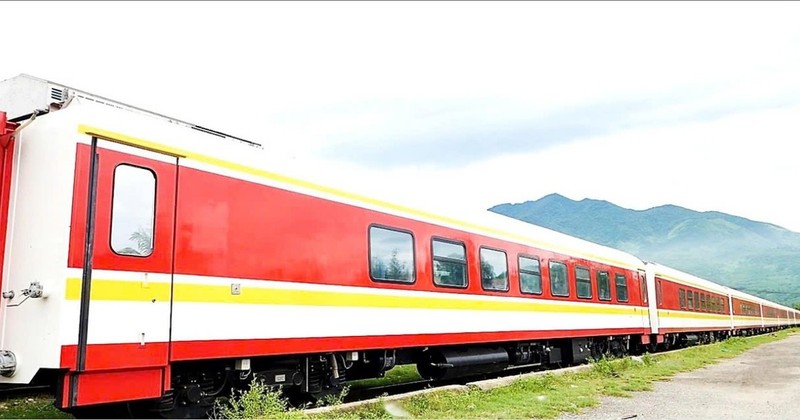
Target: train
x,y
153,263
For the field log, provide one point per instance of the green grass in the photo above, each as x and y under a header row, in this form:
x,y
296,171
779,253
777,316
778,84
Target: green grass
x,y
397,375
30,407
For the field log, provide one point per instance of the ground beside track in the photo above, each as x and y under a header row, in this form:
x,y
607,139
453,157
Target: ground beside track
x,y
552,395
763,383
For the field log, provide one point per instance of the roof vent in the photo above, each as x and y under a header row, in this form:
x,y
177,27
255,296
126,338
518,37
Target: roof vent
x,y
57,94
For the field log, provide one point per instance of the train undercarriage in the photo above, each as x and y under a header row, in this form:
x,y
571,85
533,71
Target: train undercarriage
x,y
309,378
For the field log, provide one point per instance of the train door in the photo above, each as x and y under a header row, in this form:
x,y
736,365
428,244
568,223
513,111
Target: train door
x,y
126,287
645,298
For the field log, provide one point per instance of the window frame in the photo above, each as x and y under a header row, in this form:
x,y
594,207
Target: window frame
x,y
689,300
616,287
113,205
433,262
682,298
505,259
413,254
550,277
522,271
697,301
608,283
588,280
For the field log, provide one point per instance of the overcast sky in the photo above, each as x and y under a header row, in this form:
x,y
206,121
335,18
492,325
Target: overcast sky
x,y
468,104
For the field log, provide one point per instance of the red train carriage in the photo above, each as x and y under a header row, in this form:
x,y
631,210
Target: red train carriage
x,y
690,309
154,261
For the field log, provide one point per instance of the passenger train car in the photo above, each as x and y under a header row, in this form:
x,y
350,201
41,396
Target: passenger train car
x,y
156,263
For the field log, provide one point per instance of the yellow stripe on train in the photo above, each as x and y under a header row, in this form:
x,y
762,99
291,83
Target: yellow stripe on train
x,y
126,290
664,313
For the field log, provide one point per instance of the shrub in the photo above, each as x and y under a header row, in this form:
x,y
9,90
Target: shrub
x,y
258,401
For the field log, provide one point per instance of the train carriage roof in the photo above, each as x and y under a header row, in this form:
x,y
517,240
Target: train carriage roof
x,y
678,276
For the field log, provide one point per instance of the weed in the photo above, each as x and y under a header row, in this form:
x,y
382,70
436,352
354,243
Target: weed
x,y
258,401
334,399
648,360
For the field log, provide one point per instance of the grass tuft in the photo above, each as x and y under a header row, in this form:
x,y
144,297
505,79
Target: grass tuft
x,y
258,401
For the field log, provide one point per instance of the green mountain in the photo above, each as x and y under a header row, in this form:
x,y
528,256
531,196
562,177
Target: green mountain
x,y
759,258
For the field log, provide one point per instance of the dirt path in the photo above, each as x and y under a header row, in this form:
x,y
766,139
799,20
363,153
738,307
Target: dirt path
x,y
763,383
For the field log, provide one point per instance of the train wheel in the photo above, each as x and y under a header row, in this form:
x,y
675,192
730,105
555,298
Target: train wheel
x,y
599,349
617,348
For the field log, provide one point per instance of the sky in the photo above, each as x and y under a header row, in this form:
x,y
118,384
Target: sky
x,y
462,104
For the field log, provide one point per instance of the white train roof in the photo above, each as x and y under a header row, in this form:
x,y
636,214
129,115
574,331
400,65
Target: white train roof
x,y
687,279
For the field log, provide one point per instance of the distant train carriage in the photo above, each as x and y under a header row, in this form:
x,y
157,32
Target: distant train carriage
x,y
689,309
157,263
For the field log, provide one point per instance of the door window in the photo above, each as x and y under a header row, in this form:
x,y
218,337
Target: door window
x,y
133,211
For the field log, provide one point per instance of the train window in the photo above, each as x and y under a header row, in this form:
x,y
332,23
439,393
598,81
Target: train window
x,y
391,255
659,296
642,288
682,298
583,283
530,278
702,302
603,286
133,211
558,279
449,263
696,301
621,284
494,270
689,300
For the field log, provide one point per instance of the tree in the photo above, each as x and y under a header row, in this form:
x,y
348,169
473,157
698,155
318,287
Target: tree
x,y
144,241
397,270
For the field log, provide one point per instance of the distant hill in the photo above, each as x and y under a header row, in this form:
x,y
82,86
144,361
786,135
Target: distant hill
x,y
759,258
